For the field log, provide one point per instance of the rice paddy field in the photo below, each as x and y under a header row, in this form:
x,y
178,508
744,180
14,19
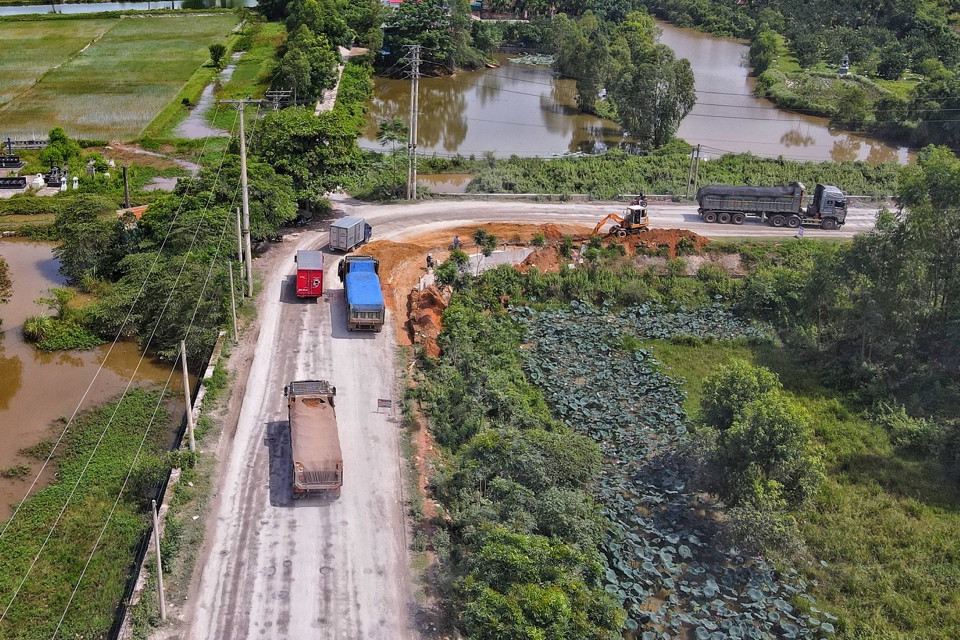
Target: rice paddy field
x,y
101,79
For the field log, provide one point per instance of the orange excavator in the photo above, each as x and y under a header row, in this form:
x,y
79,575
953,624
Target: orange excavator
x,y
633,220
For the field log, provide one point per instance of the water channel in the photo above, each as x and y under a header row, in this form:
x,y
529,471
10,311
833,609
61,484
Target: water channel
x,y
37,387
524,110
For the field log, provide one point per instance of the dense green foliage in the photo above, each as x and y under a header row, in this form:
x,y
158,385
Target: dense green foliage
x,y
316,152
520,557
880,313
648,91
442,29
93,460
615,173
884,516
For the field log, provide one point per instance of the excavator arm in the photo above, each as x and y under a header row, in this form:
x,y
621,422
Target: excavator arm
x,y
607,218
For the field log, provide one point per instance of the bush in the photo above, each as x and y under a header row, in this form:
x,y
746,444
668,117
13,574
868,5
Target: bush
x,y
728,391
916,435
36,328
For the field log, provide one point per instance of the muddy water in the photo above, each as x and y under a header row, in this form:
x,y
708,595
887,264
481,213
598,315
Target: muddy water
x,y
728,117
196,125
524,110
445,182
514,109
37,387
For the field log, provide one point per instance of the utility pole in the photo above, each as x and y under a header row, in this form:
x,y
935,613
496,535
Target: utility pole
x,y
156,544
414,109
186,393
126,189
239,240
241,104
233,304
275,96
696,171
690,173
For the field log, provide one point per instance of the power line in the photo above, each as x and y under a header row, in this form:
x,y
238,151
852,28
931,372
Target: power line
x,y
119,402
110,350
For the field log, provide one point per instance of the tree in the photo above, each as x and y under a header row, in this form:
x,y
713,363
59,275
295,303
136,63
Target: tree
x,y
391,132
654,96
60,150
217,51
766,458
764,49
315,151
852,106
731,388
90,232
309,65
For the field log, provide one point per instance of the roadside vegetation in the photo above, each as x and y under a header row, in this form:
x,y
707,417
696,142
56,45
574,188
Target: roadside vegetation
x,y
102,502
790,470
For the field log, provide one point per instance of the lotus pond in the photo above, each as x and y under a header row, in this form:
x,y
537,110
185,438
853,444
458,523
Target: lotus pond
x,y
665,564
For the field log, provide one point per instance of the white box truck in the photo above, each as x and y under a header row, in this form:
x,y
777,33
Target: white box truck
x,y
346,234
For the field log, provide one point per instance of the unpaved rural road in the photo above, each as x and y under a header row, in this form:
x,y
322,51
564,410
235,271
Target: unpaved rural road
x,y
274,568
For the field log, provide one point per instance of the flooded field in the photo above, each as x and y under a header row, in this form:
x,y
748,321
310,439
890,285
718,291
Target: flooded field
x,y
37,388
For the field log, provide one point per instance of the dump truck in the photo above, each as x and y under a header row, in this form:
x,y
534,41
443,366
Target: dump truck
x,y
778,206
309,274
315,443
346,234
363,297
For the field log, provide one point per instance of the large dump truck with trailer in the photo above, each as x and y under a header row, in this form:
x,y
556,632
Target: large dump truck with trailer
x,y
317,459
309,274
363,297
346,234
778,206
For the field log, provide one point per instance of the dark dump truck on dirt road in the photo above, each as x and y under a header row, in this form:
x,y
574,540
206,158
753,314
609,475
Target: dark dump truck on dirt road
x,y
779,206
363,297
317,460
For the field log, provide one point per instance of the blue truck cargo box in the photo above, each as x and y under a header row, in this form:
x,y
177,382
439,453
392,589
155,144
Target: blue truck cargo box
x,y
363,288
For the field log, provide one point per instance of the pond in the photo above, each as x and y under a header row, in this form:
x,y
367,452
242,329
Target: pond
x,y
526,110
38,387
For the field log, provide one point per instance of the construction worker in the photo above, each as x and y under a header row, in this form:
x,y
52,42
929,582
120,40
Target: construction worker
x,y
456,242
429,262
799,233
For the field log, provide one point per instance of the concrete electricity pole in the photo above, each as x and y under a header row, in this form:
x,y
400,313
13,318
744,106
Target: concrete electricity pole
x,y
241,104
414,111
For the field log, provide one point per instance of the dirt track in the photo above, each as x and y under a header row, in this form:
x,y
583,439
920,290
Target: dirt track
x,y
272,568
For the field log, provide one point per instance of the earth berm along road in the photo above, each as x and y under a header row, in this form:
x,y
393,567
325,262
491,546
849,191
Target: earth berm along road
x,y
275,568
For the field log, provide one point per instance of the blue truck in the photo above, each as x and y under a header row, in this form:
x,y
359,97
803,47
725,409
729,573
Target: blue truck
x,y
363,297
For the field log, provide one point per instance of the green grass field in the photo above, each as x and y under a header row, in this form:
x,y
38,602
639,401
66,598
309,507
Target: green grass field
x,y
884,523
31,48
115,87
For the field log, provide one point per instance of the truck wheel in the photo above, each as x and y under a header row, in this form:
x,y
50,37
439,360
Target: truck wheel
x,y
724,218
793,222
777,221
621,233
829,224
710,217
738,218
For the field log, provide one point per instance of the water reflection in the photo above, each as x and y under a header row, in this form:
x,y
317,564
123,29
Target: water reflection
x,y
513,109
11,376
794,138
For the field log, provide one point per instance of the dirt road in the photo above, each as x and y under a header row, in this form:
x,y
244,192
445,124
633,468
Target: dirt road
x,y
273,568
276,568
404,221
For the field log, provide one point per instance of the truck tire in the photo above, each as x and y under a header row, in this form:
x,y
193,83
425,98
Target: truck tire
x,y
723,218
710,217
777,221
738,218
621,233
829,224
793,222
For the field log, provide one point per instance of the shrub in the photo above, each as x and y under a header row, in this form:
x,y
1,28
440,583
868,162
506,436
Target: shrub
x,y
728,391
917,435
36,328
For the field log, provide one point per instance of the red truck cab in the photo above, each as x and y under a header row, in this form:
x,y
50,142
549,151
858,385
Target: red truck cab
x,y
309,274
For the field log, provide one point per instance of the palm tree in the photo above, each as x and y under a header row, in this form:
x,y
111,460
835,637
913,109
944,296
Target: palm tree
x,y
392,131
